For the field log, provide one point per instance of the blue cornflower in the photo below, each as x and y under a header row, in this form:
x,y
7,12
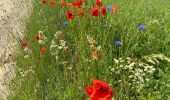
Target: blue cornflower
x,y
108,7
65,23
141,27
104,26
118,43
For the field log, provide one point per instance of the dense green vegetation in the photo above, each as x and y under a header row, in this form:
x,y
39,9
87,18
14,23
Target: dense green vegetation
x,y
85,49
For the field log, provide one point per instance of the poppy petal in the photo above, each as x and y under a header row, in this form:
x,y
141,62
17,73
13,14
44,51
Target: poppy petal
x,y
89,90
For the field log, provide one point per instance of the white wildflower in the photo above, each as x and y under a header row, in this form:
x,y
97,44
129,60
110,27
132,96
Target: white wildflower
x,y
98,48
150,71
116,61
130,76
48,80
128,58
131,65
53,44
40,32
91,40
147,79
60,47
112,69
121,66
70,68
120,59
62,43
151,61
56,35
56,57
141,64
27,50
41,42
26,56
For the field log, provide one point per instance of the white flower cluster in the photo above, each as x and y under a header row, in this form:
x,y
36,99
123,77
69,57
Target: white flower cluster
x,y
42,41
154,58
27,72
138,71
55,46
91,41
27,52
62,44
43,38
153,22
95,48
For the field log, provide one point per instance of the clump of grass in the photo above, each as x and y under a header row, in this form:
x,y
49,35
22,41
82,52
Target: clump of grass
x,y
61,56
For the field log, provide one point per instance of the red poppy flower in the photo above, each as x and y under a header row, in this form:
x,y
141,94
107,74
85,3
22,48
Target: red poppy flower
x,y
100,56
37,37
70,15
98,3
44,1
52,3
94,12
89,90
24,43
103,10
78,3
65,48
62,4
114,9
43,49
80,12
70,4
100,91
78,56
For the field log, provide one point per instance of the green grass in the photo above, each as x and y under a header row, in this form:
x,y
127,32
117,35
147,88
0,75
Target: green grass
x,y
53,80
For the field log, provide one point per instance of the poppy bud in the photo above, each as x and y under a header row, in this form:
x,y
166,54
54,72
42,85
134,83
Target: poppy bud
x,y
78,56
43,49
52,3
24,43
44,1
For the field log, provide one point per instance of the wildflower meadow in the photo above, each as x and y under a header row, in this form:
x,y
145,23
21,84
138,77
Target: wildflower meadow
x,y
94,50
